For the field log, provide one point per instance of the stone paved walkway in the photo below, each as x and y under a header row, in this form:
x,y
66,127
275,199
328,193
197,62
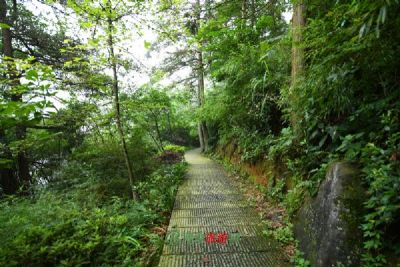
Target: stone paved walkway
x,y
212,225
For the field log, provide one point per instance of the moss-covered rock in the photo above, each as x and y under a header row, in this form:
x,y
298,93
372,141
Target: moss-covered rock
x,y
327,225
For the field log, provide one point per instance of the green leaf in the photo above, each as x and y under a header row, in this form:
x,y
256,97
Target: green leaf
x,y
4,26
147,45
31,75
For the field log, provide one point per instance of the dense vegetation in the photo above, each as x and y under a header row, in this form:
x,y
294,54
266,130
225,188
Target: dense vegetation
x,y
78,143
338,101
89,162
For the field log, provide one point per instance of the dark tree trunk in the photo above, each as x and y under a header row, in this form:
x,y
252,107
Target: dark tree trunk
x,y
8,181
158,132
20,131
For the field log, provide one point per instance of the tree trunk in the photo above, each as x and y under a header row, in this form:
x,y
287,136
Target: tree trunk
x,y
8,182
244,12
158,132
201,140
202,128
24,176
22,161
298,23
205,135
118,109
200,91
169,126
253,13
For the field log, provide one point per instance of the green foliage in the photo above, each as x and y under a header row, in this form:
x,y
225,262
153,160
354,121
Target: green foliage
x,y
294,199
381,171
276,192
175,148
298,260
345,105
282,234
107,160
162,115
249,70
158,191
73,229
56,231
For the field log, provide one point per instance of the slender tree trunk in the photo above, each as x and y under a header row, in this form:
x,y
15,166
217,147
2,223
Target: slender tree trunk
x,y
169,125
253,13
24,176
118,109
298,23
202,128
208,9
201,139
98,132
158,132
159,147
273,7
200,88
244,11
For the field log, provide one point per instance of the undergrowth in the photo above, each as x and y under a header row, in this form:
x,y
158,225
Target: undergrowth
x,y
77,228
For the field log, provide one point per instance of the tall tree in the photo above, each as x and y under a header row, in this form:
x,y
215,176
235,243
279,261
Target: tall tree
x,y
7,18
108,16
113,59
298,23
202,127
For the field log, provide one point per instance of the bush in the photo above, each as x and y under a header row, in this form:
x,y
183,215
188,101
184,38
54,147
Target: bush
x,y
174,148
171,154
54,231
75,228
160,188
108,161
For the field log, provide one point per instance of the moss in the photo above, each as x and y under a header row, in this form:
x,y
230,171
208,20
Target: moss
x,y
353,208
327,226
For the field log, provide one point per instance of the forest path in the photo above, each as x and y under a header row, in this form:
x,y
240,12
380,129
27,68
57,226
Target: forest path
x,y
213,225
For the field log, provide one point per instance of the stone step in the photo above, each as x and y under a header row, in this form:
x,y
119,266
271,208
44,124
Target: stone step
x,y
243,230
248,259
214,221
225,212
236,244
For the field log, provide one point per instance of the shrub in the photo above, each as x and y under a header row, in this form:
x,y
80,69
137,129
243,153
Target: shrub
x,y
174,148
54,231
81,227
171,154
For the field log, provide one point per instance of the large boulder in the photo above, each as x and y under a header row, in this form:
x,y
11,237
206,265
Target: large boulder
x,y
327,226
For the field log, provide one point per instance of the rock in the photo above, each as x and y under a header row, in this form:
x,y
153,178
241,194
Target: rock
x,y
327,226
